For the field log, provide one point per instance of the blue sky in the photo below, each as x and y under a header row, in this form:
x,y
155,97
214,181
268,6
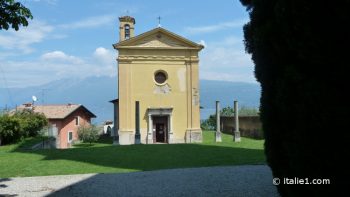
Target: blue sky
x,y
73,39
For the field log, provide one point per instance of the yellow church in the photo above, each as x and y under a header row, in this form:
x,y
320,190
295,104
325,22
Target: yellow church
x,y
158,87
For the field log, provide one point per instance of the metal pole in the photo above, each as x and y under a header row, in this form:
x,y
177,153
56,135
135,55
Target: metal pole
x,y
116,123
217,133
137,123
236,132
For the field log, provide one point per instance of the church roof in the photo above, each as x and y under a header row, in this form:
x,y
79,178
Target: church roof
x,y
158,38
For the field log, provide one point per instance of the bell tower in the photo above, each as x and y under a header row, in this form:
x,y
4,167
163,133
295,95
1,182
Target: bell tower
x,y
126,27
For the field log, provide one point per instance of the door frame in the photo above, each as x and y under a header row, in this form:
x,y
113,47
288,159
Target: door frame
x,y
153,113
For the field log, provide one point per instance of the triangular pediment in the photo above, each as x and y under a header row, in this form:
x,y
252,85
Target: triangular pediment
x,y
158,38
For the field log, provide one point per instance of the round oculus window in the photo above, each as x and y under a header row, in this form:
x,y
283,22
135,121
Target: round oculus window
x,y
160,77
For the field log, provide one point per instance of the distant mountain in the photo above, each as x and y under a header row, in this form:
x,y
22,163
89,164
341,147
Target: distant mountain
x,y
95,92
92,92
247,94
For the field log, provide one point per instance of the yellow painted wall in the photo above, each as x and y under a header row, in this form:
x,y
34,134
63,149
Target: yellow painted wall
x,y
145,88
136,69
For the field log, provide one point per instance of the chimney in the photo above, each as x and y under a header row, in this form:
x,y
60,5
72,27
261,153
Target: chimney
x,y
27,105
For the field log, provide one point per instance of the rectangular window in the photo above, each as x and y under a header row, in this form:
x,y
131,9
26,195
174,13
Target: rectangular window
x,y
70,136
77,121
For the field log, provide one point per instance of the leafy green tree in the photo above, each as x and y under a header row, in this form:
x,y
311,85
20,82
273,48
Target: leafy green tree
x,y
31,123
13,14
10,130
88,133
20,125
210,123
227,111
299,51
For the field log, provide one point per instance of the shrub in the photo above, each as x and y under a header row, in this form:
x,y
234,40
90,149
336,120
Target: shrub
x,y
209,124
10,130
31,123
88,133
20,125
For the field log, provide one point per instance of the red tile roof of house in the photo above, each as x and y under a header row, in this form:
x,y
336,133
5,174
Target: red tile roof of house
x,y
56,111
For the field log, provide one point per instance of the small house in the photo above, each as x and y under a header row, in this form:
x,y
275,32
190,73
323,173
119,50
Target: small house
x,y
64,121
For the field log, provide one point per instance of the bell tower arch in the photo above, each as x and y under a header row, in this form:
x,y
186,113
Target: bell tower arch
x,y
126,27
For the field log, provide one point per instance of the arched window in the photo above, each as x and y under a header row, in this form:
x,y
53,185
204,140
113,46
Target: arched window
x,y
127,31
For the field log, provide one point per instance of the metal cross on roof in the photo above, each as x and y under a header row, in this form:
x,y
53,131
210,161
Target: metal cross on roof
x,y
159,21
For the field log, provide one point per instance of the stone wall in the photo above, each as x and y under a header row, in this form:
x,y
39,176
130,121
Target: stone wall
x,y
249,126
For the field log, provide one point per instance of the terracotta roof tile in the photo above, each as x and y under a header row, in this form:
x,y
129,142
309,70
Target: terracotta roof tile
x,y
54,111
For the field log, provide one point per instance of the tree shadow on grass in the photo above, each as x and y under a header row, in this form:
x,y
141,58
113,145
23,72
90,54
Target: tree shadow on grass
x,y
140,158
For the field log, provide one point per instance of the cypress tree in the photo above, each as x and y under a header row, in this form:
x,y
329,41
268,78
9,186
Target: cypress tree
x,y
300,53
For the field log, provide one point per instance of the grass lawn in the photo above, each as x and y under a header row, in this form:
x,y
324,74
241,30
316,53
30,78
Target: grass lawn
x,y
103,157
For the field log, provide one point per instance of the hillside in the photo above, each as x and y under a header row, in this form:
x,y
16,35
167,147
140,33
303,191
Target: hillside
x,y
95,92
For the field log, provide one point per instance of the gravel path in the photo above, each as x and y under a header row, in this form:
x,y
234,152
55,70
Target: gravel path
x,y
248,180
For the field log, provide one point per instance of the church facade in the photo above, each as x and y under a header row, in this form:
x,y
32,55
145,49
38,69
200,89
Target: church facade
x,y
158,87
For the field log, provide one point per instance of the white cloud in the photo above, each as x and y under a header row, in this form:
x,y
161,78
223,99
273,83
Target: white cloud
x,y
59,56
90,22
58,65
202,42
4,55
226,60
51,2
21,40
37,31
229,76
105,57
221,60
216,27
58,36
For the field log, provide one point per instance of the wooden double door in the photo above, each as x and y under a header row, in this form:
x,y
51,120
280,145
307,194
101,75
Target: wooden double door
x,y
160,129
